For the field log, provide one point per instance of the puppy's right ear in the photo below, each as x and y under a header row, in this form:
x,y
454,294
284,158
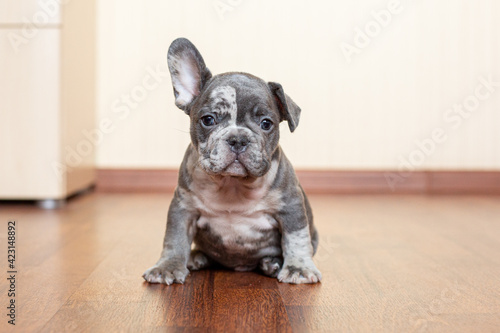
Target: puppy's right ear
x,y
188,71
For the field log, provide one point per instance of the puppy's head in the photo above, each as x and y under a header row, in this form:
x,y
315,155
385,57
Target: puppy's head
x,y
234,116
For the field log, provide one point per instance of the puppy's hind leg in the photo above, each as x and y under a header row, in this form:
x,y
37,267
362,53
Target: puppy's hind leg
x,y
271,266
198,260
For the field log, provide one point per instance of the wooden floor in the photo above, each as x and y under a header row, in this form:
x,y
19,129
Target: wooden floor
x,y
389,264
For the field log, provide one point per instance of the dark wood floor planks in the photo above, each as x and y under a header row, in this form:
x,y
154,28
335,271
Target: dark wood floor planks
x,y
389,264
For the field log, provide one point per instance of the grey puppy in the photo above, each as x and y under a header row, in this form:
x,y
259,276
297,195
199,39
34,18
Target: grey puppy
x,y
238,197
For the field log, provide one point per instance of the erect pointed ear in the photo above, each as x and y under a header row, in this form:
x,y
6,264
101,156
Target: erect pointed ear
x,y
289,111
188,71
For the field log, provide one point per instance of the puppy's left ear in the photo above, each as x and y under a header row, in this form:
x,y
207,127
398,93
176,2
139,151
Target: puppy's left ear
x,y
289,111
188,71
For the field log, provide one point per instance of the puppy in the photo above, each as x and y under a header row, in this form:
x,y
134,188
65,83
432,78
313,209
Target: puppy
x,y
238,198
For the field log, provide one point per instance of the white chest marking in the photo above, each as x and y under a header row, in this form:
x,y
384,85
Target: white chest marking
x,y
237,230
235,211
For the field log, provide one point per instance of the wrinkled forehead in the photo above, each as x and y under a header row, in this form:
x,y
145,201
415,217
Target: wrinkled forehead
x,y
236,93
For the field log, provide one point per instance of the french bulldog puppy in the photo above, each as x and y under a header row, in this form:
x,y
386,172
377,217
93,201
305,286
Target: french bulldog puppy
x,y
238,198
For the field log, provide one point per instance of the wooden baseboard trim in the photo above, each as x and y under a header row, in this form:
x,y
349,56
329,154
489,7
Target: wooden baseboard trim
x,y
136,180
325,181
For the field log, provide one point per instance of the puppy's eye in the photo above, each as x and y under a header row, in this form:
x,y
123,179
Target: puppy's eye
x,y
208,121
266,124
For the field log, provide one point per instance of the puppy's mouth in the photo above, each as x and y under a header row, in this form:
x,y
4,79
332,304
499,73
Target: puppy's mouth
x,y
235,169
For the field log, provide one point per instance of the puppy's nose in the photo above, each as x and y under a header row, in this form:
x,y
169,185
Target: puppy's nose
x,y
238,144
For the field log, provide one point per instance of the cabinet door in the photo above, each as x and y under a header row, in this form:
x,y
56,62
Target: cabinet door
x,y
30,117
39,12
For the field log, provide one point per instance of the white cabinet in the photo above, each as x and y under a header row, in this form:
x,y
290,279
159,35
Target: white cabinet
x,y
47,101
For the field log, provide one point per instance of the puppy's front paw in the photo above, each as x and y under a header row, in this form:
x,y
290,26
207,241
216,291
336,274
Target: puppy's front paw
x,y
299,271
168,273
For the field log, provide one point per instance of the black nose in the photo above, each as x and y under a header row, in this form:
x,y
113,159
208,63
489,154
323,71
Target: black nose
x,y
238,144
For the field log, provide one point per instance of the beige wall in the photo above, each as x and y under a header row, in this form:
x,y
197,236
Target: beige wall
x,y
370,111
